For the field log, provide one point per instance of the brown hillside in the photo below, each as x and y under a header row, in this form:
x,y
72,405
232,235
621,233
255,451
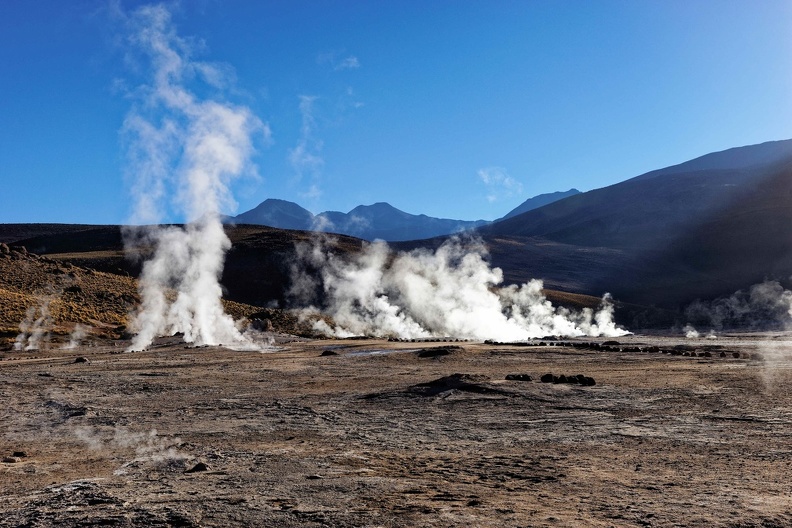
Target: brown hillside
x,y
65,295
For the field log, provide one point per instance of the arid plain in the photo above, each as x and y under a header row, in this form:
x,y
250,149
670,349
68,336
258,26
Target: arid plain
x,y
675,432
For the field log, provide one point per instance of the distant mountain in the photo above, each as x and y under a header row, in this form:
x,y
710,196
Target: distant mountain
x,y
703,228
277,213
378,221
540,201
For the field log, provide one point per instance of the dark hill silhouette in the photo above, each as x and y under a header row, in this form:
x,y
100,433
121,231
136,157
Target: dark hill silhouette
x,y
703,228
540,201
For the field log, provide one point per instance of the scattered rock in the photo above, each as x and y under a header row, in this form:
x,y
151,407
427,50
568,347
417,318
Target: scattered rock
x,y
578,379
438,351
180,519
262,325
66,410
200,466
460,382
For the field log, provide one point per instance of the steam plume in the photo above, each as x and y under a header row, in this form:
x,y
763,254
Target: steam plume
x,y
34,330
449,292
77,336
193,149
764,306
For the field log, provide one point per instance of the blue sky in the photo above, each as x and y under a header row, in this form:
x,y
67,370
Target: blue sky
x,y
453,109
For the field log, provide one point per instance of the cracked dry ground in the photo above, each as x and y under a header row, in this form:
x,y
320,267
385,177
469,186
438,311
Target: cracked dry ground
x,y
378,436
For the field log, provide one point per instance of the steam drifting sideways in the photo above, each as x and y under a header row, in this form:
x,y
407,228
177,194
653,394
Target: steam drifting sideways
x,y
451,292
185,152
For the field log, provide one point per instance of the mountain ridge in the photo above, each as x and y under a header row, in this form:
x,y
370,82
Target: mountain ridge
x,y
380,220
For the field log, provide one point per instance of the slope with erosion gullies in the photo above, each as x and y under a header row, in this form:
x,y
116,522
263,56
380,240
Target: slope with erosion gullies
x,y
663,240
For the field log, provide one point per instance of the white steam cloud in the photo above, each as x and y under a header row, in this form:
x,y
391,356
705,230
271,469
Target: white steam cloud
x,y
763,306
192,149
451,292
34,330
77,336
148,446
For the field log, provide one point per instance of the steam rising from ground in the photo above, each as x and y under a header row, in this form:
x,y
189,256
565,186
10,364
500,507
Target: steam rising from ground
x,y
34,330
77,336
148,447
191,149
764,306
451,292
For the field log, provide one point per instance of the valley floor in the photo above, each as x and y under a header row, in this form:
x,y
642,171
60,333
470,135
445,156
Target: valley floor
x,y
374,434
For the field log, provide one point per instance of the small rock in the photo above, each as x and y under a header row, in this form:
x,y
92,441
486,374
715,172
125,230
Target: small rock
x,y
328,353
200,466
519,377
20,454
546,378
439,351
314,477
11,460
81,359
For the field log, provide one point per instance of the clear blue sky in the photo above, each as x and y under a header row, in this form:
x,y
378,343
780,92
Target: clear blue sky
x,y
454,109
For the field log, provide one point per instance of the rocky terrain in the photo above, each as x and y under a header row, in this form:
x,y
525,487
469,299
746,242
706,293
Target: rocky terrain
x,y
375,433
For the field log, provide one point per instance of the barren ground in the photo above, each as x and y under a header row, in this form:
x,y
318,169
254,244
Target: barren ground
x,y
362,438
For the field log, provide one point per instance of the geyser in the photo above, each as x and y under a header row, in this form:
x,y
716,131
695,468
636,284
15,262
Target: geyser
x,y
450,292
189,150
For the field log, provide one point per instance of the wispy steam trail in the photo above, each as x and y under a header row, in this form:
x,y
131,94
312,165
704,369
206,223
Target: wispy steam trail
x,y
192,149
305,157
451,292
34,330
763,306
